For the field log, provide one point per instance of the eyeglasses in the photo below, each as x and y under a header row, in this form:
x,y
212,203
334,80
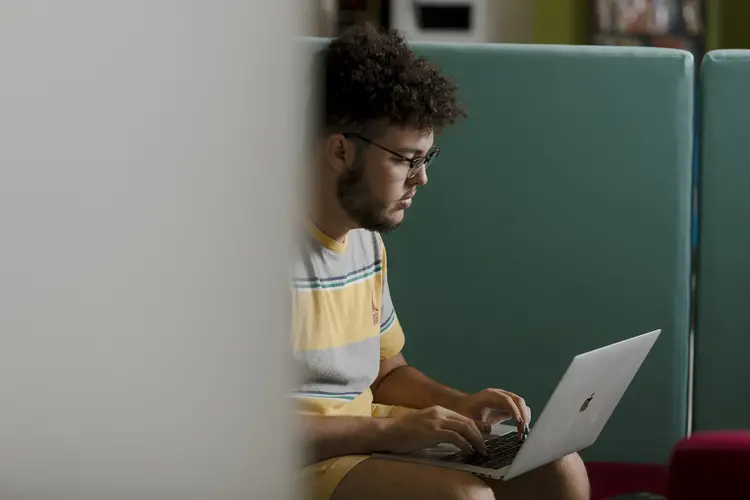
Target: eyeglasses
x,y
414,163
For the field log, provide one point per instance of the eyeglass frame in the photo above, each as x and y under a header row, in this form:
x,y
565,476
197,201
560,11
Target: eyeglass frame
x,y
425,160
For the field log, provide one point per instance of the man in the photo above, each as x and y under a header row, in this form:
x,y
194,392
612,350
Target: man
x,y
381,109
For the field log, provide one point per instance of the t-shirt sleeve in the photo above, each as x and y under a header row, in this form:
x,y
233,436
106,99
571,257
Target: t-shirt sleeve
x,y
391,335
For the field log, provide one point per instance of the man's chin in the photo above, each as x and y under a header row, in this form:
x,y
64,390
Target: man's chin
x,y
392,222
385,223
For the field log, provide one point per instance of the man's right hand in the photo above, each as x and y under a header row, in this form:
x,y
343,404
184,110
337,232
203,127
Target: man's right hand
x,y
429,427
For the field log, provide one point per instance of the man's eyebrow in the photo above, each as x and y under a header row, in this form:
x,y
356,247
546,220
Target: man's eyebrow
x,y
408,150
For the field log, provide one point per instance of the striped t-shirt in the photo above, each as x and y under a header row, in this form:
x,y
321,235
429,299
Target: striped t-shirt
x,y
343,321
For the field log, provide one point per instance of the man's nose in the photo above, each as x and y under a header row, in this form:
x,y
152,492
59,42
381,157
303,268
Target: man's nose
x,y
420,178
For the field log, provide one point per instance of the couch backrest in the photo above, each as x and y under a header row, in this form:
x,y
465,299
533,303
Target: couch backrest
x,y
722,337
556,220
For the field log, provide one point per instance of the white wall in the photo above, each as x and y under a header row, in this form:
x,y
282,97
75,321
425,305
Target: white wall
x,y
145,154
509,21
512,21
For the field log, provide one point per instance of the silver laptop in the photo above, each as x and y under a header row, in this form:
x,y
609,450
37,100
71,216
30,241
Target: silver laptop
x,y
572,419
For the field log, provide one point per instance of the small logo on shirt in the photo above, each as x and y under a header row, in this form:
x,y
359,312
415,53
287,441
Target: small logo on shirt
x,y
375,311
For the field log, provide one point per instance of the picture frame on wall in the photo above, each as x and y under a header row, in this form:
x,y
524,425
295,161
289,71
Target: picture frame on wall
x,y
693,14
646,17
603,13
620,41
678,24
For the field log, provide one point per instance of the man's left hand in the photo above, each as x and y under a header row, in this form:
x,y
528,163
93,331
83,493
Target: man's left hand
x,y
495,405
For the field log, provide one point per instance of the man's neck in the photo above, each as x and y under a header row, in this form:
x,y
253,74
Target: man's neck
x,y
327,214
336,232
331,219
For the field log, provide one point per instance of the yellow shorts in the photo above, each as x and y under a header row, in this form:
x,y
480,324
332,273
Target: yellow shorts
x,y
320,480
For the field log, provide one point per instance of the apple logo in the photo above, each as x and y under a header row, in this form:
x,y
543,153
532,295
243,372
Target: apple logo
x,y
586,403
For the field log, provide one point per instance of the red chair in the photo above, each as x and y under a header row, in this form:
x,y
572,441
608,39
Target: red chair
x,y
612,479
711,465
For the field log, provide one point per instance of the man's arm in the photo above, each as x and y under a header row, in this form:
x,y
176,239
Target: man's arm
x,y
334,436
399,384
402,385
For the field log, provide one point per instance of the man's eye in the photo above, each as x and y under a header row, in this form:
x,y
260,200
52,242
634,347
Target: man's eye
x,y
401,160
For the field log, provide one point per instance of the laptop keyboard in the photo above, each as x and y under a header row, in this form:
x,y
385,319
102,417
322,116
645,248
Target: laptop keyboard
x,y
501,450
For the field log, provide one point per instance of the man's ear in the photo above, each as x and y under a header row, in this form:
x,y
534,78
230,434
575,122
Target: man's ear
x,y
339,152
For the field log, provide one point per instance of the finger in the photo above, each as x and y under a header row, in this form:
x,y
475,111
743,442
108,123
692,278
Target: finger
x,y
525,411
519,402
465,426
469,431
518,415
496,416
485,428
479,427
504,400
449,436
527,415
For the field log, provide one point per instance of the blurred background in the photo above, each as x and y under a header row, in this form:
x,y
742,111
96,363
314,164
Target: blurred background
x,y
142,325
693,25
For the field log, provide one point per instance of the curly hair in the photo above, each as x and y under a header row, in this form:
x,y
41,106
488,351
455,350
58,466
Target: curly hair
x,y
370,77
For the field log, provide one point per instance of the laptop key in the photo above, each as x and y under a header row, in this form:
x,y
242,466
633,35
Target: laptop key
x,y
500,452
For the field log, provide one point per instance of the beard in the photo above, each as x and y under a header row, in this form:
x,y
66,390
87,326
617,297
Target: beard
x,y
358,201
